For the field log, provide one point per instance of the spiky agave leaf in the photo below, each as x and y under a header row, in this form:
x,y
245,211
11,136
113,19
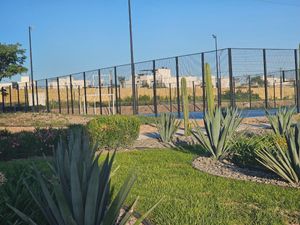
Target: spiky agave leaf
x,y
285,163
167,127
219,131
80,191
281,121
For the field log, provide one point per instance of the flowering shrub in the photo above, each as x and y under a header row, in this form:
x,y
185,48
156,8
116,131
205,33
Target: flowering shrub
x,y
27,144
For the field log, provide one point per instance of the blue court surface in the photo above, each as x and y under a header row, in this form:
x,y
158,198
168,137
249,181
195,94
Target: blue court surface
x,y
246,113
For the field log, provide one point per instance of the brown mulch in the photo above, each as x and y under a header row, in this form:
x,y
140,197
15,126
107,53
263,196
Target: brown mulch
x,y
227,169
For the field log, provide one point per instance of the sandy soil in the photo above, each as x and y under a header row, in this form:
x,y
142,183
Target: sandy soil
x,y
16,122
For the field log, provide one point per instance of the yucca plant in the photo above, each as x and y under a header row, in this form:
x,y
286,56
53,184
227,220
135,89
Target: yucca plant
x,y
167,127
79,192
281,121
219,128
285,163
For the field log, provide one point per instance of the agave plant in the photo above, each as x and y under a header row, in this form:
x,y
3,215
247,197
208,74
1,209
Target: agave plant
x,y
80,191
219,129
285,163
167,127
281,121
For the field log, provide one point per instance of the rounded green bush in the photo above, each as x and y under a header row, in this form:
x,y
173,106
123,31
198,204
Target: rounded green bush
x,y
114,131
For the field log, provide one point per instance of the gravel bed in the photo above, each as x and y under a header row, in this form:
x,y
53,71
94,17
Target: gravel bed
x,y
227,169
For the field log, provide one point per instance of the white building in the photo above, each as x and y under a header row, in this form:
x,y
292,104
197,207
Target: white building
x,y
164,78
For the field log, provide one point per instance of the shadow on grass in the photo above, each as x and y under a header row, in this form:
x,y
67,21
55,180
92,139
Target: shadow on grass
x,y
194,149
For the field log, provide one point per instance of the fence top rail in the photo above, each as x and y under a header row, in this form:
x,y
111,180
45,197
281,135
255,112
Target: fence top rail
x,y
267,49
165,58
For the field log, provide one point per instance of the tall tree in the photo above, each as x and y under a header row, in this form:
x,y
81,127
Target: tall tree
x,y
12,58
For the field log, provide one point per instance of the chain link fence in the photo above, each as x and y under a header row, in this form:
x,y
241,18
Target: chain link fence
x,y
243,78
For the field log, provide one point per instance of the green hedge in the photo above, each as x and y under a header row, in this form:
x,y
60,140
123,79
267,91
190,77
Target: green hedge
x,y
111,132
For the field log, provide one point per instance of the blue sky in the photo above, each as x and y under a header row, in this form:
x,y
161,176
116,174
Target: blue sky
x,y
72,36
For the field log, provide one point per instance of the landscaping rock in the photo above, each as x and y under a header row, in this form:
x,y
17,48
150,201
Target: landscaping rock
x,y
229,170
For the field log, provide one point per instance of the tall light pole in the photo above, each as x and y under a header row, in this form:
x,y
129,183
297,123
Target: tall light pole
x,y
217,69
31,69
134,106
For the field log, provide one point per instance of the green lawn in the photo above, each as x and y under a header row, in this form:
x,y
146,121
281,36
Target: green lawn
x,y
193,197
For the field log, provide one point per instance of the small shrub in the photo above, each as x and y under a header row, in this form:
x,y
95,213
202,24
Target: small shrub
x,y
27,144
15,193
114,131
244,147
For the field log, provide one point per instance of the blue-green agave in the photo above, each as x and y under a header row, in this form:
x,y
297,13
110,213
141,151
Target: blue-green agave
x,y
281,121
167,127
220,127
80,191
284,162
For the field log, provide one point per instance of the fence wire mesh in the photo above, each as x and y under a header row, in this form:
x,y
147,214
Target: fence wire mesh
x,y
246,78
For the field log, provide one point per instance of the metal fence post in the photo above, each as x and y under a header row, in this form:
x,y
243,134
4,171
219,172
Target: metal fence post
x,y
250,92
233,88
194,100
10,98
297,81
47,96
231,81
120,109
280,87
84,90
3,104
295,92
203,80
18,96
265,77
170,96
71,95
154,88
26,97
32,95
100,91
58,95
37,96
67,91
116,90
79,100
177,83
137,99
274,93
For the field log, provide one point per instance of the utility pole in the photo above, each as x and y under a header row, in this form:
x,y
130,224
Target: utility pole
x,y
31,70
134,106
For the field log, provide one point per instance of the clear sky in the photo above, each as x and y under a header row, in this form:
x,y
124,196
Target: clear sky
x,y
70,36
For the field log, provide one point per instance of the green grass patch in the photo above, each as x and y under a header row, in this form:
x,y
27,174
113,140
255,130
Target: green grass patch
x,y
193,197
190,196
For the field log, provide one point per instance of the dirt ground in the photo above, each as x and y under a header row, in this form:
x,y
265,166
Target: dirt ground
x,y
16,122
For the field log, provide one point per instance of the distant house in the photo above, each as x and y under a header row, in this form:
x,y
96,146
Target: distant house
x,y
164,78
